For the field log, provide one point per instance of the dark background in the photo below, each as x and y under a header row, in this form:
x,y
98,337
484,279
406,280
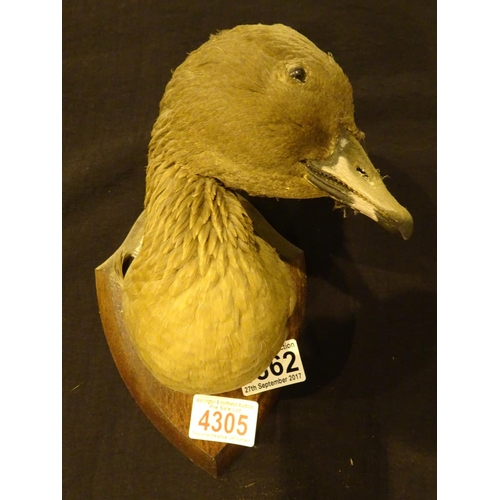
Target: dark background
x,y
363,425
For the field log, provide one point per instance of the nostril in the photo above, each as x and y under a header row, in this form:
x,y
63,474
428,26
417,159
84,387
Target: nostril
x,y
362,172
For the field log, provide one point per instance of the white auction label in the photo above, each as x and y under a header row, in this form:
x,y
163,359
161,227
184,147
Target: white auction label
x,y
285,369
225,420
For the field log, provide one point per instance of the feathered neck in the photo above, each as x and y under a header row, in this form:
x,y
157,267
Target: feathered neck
x,y
196,225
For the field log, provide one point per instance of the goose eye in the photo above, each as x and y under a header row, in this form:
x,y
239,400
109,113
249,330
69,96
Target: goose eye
x,y
299,74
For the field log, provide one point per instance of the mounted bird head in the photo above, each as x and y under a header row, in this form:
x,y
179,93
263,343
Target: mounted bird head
x,y
262,109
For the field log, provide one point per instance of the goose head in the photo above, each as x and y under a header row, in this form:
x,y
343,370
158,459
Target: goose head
x,y
262,109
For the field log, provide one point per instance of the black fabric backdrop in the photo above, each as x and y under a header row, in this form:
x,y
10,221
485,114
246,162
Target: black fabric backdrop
x,y
363,424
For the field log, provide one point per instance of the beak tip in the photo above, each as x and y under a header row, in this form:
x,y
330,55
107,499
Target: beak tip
x,y
405,227
407,236
398,221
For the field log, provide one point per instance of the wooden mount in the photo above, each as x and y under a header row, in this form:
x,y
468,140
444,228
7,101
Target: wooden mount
x,y
170,411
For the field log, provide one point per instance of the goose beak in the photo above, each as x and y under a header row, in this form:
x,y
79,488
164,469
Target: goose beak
x,y
349,177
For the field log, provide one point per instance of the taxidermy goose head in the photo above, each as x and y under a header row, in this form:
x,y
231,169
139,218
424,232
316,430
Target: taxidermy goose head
x,y
260,109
